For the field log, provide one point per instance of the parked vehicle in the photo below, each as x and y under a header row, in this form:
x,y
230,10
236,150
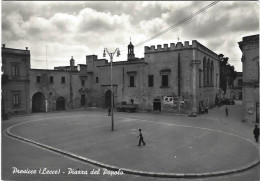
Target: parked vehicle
x,y
127,107
192,114
226,101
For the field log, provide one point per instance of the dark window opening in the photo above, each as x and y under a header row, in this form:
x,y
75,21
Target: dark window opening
x,y
82,82
15,70
63,80
38,79
165,81
96,79
200,79
132,81
150,80
16,100
51,79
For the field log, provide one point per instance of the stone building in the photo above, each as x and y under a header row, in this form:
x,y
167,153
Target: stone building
x,y
170,78
15,80
234,91
63,88
176,78
250,88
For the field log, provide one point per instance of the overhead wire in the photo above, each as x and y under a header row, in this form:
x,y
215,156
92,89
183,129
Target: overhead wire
x,y
177,24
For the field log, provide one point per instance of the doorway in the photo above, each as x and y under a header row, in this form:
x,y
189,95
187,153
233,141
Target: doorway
x,y
108,98
157,105
60,104
83,100
38,102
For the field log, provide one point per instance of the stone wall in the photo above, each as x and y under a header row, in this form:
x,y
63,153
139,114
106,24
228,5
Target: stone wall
x,y
250,59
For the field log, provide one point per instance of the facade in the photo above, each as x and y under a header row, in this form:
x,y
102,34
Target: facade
x,y
250,88
178,78
234,91
15,81
63,88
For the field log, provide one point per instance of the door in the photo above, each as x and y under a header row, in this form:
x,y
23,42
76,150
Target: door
x,y
60,104
83,100
38,102
157,105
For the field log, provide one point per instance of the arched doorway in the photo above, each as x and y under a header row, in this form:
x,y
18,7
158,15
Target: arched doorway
x,y
108,98
60,104
38,102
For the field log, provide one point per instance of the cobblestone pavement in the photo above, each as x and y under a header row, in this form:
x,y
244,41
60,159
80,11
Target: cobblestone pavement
x,y
174,144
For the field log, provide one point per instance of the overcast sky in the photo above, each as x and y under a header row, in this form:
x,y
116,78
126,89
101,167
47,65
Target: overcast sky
x,y
84,28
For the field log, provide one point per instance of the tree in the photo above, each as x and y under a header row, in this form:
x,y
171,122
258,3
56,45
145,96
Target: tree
x,y
227,73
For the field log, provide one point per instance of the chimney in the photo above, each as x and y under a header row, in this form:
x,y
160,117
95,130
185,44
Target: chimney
x,y
3,46
26,48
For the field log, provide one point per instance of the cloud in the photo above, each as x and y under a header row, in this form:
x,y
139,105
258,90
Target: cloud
x,y
81,28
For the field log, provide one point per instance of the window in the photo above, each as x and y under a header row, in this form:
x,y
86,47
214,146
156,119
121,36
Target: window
x,y
165,81
16,99
96,79
38,79
63,80
204,72
211,73
208,73
82,82
15,70
199,78
150,80
132,81
51,79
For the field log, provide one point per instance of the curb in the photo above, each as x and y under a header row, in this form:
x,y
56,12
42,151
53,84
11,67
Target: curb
x,y
134,172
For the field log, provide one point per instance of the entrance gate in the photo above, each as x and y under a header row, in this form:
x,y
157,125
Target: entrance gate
x,y
38,102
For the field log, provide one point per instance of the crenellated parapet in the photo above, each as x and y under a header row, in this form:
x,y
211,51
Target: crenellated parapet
x,y
179,46
165,47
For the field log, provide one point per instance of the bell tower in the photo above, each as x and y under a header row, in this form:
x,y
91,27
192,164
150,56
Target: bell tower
x,y
72,63
130,55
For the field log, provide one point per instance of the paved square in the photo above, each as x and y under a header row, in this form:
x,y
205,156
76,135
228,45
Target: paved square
x,y
175,144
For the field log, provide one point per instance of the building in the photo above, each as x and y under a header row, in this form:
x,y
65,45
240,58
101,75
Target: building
x,y
178,78
63,88
234,91
250,87
175,78
15,81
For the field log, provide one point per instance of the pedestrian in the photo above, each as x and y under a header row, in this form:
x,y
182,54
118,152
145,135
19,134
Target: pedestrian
x,y
141,138
226,111
109,111
206,109
256,133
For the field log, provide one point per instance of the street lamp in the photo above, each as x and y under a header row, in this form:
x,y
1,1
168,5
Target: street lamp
x,y
111,55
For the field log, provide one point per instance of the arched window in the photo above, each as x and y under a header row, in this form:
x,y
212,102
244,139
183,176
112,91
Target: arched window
x,y
208,73
204,72
212,73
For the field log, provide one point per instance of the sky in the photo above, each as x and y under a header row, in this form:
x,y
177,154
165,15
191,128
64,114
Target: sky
x,y
56,31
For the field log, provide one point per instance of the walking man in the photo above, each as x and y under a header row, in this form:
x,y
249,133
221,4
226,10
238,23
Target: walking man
x,y
109,111
256,133
141,139
226,112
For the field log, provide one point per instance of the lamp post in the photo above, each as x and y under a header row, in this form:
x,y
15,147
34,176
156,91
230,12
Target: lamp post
x,y
111,55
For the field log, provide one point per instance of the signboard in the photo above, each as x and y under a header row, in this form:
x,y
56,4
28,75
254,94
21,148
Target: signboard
x,y
168,100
